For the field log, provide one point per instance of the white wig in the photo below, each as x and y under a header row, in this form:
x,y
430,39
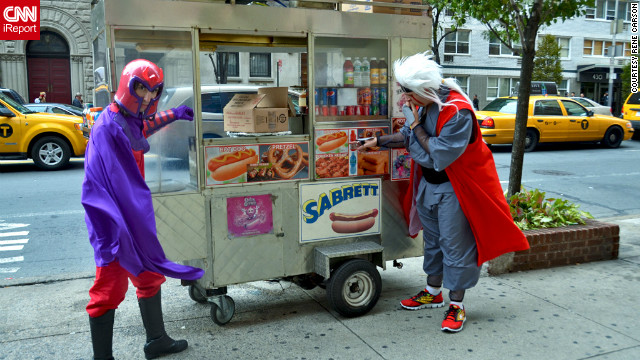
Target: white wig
x,y
423,76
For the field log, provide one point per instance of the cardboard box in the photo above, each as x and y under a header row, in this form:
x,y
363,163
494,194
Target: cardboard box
x,y
265,112
357,8
399,11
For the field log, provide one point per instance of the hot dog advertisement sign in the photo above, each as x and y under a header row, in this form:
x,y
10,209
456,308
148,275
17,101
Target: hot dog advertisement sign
x,y
337,155
339,209
234,164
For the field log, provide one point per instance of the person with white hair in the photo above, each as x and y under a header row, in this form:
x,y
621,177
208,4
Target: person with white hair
x,y
454,195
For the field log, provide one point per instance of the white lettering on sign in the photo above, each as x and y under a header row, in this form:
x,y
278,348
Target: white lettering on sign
x,y
15,14
634,74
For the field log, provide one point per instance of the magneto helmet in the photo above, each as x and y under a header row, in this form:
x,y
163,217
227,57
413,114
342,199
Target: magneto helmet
x,y
150,76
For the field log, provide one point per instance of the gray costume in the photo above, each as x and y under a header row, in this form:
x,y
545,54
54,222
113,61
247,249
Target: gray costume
x,y
449,245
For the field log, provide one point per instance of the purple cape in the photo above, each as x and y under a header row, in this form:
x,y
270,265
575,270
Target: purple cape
x,y
117,202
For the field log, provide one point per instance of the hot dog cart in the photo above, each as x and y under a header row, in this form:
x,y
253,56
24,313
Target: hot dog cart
x,y
269,189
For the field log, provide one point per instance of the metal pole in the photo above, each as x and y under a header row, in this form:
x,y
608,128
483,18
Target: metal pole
x,y
612,58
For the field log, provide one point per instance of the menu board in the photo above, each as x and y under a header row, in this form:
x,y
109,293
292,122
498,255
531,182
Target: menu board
x,y
337,155
236,164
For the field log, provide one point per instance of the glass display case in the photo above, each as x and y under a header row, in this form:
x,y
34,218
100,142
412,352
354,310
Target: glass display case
x,y
351,79
167,163
351,102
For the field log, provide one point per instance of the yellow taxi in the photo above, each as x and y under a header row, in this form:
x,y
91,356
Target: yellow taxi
x,y
49,139
551,119
631,111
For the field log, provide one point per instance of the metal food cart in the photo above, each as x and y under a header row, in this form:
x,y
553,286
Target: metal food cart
x,y
288,215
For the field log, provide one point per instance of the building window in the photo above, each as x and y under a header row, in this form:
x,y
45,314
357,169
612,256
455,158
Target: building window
x,y
606,10
260,65
457,42
497,87
601,48
496,47
563,87
233,66
463,81
564,44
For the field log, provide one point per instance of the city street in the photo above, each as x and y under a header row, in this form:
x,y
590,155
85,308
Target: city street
x,y
43,234
566,312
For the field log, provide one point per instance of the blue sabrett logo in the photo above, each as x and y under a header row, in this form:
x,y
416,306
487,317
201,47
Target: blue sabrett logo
x,y
313,209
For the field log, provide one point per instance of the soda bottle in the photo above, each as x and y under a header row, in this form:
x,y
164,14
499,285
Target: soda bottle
x,y
374,72
375,101
382,70
366,73
357,72
384,110
353,163
347,70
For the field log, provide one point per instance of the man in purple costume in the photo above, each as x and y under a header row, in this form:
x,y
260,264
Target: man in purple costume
x,y
119,212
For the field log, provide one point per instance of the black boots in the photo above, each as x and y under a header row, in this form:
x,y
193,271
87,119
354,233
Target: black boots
x,y
158,342
102,335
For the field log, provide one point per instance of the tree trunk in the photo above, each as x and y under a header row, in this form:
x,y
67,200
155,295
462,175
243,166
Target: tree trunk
x,y
522,114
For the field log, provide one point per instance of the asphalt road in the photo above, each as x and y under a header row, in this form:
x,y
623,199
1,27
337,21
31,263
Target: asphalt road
x,y
43,234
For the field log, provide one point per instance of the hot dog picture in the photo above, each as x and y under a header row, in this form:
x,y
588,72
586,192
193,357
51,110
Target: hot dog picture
x,y
231,165
353,223
330,142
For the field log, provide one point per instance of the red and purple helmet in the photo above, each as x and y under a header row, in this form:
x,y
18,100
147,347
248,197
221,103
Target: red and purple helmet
x,y
150,76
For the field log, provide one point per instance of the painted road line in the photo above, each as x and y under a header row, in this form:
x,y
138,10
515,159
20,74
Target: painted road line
x,y
47,213
11,248
13,242
8,270
11,259
15,233
9,226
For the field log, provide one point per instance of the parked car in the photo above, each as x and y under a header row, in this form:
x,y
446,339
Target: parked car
x,y
551,119
12,94
55,108
593,106
631,112
49,139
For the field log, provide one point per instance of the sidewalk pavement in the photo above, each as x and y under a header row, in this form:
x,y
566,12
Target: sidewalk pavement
x,y
585,311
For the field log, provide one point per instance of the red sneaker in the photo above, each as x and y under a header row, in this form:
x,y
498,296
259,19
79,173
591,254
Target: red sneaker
x,y
454,318
423,300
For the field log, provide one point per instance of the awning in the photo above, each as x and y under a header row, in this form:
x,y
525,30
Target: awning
x,y
598,73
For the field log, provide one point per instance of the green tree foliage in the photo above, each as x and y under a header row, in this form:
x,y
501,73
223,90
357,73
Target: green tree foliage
x,y
514,21
547,66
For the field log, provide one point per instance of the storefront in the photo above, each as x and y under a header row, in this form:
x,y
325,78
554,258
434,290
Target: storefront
x,y
594,83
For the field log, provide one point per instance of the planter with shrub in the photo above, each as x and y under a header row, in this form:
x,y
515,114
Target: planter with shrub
x,y
559,234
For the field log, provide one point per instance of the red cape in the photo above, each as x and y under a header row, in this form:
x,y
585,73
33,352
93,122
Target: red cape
x,y
475,181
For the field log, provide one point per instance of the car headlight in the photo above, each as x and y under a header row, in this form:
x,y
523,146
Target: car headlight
x,y
78,126
628,125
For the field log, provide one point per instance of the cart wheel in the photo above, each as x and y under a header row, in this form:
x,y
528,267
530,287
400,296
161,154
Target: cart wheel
x,y
354,288
196,295
222,310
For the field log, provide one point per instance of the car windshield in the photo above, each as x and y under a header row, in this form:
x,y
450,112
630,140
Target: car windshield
x,y
503,105
583,102
21,108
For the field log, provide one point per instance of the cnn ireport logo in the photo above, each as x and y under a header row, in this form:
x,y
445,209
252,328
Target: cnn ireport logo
x,y
20,20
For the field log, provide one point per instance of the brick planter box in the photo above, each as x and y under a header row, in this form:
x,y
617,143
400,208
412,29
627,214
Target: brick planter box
x,y
568,245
